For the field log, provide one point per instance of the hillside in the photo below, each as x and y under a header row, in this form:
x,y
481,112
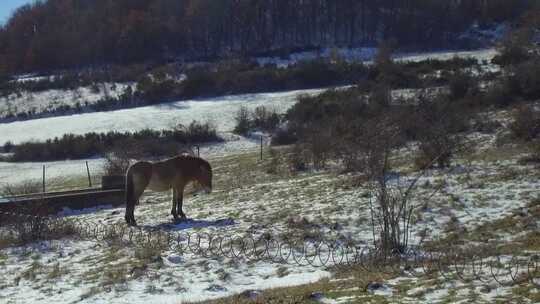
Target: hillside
x,y
55,34
320,152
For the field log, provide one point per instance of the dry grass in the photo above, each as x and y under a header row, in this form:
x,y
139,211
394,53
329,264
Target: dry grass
x,y
351,282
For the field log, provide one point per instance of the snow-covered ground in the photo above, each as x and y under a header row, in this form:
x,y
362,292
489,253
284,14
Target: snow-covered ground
x,y
16,173
219,110
170,278
481,55
61,170
349,54
247,199
366,55
32,77
50,100
39,102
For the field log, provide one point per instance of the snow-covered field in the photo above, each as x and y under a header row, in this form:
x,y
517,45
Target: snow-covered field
x,y
367,54
57,171
247,199
219,110
481,55
480,187
50,100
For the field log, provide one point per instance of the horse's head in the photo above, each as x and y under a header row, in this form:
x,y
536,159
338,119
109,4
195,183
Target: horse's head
x,y
204,176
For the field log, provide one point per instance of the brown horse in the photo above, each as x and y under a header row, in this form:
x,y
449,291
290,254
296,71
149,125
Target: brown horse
x,y
174,173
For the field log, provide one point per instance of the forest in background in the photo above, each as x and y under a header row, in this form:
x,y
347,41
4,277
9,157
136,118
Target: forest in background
x,y
56,34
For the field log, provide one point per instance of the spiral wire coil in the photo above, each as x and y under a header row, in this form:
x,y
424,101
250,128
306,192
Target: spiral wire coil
x,y
487,263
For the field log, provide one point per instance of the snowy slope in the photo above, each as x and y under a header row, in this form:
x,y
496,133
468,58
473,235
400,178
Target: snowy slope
x,y
57,171
483,192
485,54
53,99
367,54
220,110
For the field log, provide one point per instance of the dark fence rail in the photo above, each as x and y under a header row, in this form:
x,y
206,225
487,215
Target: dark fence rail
x,y
44,204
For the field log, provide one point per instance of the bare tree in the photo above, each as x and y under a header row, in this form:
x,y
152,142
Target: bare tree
x,y
393,200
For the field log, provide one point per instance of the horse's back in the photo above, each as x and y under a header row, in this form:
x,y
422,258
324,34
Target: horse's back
x,y
163,176
140,168
140,172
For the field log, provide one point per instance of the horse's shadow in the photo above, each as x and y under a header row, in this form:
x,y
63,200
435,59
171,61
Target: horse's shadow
x,y
192,223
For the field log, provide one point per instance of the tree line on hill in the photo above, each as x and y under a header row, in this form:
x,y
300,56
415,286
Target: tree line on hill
x,y
53,34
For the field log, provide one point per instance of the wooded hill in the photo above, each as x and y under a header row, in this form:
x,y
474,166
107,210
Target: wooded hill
x,y
52,34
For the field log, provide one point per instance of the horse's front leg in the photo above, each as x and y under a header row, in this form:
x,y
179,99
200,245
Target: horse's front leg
x,y
174,203
180,203
130,215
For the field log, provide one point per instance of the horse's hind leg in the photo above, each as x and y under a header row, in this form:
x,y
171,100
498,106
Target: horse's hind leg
x,y
130,207
130,216
180,203
174,211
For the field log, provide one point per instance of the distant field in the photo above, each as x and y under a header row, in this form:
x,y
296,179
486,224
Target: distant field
x,y
220,111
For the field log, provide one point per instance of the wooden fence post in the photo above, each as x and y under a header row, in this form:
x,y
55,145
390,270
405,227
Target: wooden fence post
x,y
43,178
261,147
89,178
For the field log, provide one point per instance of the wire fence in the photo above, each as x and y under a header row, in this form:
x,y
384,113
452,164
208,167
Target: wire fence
x,y
486,263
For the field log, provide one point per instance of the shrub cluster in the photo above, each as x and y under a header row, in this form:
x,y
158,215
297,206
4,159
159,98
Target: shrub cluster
x,y
526,123
348,125
66,80
259,119
157,84
147,142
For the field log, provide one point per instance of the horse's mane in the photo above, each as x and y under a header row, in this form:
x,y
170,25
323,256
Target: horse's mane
x,y
195,158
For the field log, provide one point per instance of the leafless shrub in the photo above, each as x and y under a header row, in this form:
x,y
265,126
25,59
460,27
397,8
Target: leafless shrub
x,y
461,84
243,121
265,119
534,156
526,124
351,156
273,166
392,206
320,147
118,158
432,147
261,118
485,125
116,163
31,224
438,131
381,96
26,187
298,159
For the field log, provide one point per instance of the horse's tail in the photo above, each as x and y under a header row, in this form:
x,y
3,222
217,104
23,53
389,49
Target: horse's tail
x,y
130,198
130,201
